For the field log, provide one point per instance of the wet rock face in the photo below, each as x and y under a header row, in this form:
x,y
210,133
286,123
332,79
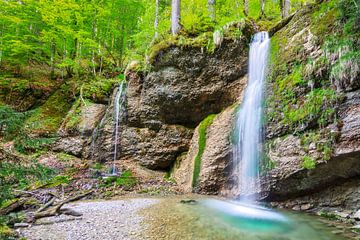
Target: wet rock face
x,y
290,179
215,161
155,149
74,140
70,145
186,85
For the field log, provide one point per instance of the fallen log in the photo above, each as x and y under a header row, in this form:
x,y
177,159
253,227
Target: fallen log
x,y
53,209
16,204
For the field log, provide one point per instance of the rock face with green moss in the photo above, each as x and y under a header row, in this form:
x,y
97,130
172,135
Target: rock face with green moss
x,y
187,83
206,167
313,120
183,86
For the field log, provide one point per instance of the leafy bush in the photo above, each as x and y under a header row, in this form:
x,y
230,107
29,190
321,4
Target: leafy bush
x,y
11,122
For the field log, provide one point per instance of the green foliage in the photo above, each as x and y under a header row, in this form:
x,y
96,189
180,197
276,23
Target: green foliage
x,y
99,89
74,37
323,140
126,180
202,144
12,128
318,104
20,176
308,162
57,181
11,122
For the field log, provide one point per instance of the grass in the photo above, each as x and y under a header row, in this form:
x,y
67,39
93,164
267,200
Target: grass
x,y
202,145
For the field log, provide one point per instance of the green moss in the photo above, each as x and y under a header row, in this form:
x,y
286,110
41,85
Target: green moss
x,y
323,139
47,118
58,181
202,144
203,39
308,162
99,89
126,180
6,232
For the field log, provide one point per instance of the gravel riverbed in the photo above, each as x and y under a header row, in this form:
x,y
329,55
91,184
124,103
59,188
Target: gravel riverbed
x,y
105,220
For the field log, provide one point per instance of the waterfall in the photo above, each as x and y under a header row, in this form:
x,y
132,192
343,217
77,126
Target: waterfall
x,y
247,150
118,113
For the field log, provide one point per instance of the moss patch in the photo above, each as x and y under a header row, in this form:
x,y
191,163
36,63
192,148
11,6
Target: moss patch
x,y
202,144
47,118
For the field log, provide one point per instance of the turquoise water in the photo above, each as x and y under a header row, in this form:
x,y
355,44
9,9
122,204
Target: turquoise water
x,y
216,219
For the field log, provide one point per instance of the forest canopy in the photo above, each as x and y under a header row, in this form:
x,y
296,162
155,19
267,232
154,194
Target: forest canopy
x,y
93,37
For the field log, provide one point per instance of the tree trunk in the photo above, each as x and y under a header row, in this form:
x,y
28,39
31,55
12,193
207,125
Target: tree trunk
x,y
156,21
175,17
211,7
52,58
262,7
246,7
285,6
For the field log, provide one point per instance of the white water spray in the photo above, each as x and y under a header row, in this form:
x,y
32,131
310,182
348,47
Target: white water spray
x,y
247,151
118,110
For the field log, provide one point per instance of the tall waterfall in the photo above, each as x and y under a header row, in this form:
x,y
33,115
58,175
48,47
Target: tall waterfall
x,y
118,111
247,150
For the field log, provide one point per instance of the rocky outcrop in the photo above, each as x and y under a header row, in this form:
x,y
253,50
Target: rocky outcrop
x,y
314,156
187,85
312,153
215,164
77,127
155,149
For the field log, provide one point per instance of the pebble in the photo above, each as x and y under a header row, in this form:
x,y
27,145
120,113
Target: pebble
x,y
115,220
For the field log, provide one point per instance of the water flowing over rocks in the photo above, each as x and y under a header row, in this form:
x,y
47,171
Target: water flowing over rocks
x,y
335,148
164,105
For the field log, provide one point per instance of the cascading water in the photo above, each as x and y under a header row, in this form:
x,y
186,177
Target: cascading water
x,y
247,150
118,111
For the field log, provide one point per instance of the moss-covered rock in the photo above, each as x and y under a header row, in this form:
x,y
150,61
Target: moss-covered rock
x,y
46,119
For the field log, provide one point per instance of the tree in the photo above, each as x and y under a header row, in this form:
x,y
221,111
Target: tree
x,y
246,7
262,7
175,17
156,22
211,7
285,6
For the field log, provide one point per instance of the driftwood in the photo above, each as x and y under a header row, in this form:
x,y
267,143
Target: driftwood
x,y
53,208
12,206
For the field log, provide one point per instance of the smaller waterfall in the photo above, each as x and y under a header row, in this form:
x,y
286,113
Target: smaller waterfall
x,y
247,151
119,103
